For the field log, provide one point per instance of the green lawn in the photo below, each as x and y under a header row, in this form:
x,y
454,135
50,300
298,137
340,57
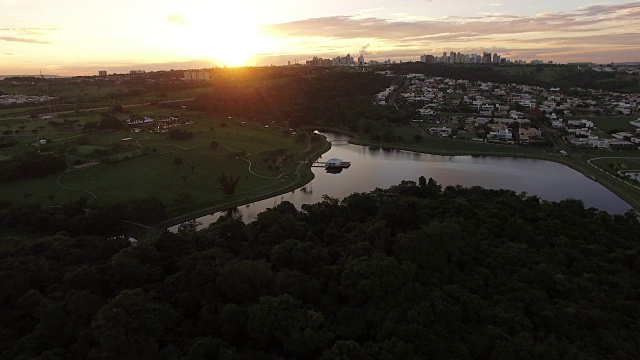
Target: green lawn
x,y
607,123
155,174
616,164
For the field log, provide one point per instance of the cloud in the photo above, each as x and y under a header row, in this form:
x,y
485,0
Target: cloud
x,y
23,40
30,29
17,34
363,50
9,54
176,20
591,27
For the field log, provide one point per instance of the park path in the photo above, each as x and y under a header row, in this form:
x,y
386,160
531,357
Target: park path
x,y
73,189
193,214
634,159
250,164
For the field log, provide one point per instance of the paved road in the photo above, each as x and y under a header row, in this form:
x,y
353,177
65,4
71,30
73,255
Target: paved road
x,y
558,143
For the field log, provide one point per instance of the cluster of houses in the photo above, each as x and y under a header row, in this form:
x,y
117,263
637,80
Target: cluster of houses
x,y
381,97
500,100
493,130
138,124
23,99
581,133
491,109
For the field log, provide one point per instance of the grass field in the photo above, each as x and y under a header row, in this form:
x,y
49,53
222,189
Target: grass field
x,y
607,123
151,171
619,163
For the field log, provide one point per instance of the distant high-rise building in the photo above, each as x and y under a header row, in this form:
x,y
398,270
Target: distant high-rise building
x,y
193,75
361,60
486,58
429,59
102,73
349,60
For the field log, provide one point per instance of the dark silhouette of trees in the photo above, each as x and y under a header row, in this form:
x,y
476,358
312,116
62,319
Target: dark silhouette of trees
x,y
416,271
177,134
228,183
110,122
30,165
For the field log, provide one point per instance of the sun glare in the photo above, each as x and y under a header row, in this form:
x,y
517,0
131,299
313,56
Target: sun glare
x,y
229,37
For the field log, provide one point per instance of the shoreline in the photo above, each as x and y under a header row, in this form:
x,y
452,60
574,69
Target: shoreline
x,y
303,177
583,169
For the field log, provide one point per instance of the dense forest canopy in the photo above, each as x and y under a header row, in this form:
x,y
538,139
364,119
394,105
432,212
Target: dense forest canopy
x,y
411,272
322,97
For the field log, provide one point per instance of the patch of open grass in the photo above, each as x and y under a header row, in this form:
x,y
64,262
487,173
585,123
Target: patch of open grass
x,y
154,173
607,123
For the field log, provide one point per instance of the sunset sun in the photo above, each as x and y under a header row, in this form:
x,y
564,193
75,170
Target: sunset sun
x,y
229,36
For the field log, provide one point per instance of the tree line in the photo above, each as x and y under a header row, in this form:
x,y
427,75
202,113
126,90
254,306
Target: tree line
x,y
322,97
411,272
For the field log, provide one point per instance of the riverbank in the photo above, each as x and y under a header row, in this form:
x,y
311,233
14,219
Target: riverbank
x,y
304,175
331,130
624,191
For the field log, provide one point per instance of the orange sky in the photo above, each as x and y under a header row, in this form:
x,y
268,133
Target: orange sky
x,y
73,37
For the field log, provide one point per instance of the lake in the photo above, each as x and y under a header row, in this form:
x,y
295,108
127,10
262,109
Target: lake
x,y
377,168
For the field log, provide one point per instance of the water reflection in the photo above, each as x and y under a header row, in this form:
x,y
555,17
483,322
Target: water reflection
x,y
379,168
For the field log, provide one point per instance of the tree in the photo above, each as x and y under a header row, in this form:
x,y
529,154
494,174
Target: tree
x,y
193,169
117,109
177,134
213,145
127,327
178,162
185,177
228,183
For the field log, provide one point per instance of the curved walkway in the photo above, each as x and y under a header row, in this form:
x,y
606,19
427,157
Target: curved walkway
x,y
250,163
635,159
72,189
219,207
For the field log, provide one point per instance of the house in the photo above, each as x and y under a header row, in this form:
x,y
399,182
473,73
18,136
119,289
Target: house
x,y
581,123
502,135
556,124
622,135
442,131
529,133
598,143
621,145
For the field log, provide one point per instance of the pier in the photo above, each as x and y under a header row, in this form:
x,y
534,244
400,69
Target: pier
x,y
332,164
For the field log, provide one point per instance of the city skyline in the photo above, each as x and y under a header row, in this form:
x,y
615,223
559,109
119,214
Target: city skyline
x,y
72,37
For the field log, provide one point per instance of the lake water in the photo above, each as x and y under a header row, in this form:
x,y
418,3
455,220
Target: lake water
x,y
377,168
